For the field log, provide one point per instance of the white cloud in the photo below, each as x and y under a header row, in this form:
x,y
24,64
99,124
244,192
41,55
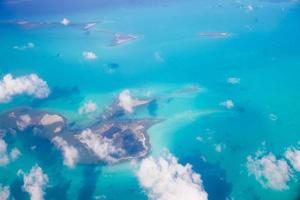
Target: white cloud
x,y
4,192
127,102
89,55
4,160
293,156
249,7
270,172
6,157
35,182
227,104
65,22
219,147
158,57
15,153
88,107
70,153
273,117
200,139
29,45
31,85
23,122
233,80
102,147
166,179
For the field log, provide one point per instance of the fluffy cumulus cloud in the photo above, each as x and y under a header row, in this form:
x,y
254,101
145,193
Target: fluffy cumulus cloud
x,y
4,159
102,147
227,104
269,171
70,153
35,182
31,85
249,7
293,156
29,45
233,80
273,117
65,22
166,179
23,122
89,55
127,102
4,192
219,147
88,107
15,153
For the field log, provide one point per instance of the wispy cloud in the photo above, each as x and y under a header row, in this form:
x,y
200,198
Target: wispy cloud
x,y
29,45
88,107
89,55
70,153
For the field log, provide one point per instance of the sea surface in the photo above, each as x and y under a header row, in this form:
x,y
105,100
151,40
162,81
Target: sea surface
x,y
261,49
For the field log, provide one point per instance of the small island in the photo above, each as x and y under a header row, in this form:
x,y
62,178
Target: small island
x,y
121,38
111,139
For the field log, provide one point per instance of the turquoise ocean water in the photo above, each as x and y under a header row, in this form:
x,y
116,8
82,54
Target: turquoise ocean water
x,y
263,50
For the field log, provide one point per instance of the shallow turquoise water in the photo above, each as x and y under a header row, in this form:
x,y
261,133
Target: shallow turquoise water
x,y
263,50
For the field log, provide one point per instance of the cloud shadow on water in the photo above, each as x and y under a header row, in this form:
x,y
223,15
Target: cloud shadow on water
x,y
152,108
213,177
90,177
59,191
70,95
16,190
39,147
